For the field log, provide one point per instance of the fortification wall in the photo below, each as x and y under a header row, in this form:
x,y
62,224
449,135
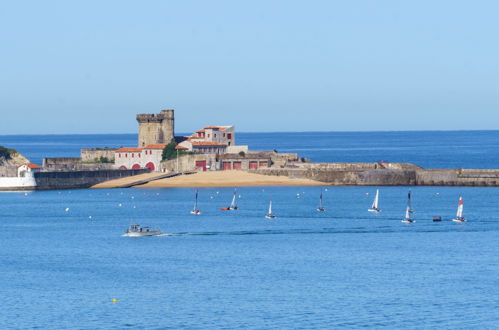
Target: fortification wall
x,y
95,154
79,179
187,163
8,171
17,183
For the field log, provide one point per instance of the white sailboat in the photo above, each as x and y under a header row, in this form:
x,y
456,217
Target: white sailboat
x,y
374,207
408,210
270,215
233,204
459,215
195,210
321,207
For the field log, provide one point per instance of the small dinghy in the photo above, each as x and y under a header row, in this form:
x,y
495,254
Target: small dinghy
x,y
321,207
437,218
136,230
196,210
233,204
374,207
459,215
408,211
270,215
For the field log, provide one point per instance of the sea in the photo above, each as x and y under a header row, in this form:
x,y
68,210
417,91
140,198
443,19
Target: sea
x,y
64,263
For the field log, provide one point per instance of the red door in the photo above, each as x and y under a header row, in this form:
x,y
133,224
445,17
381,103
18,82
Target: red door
x,y
226,166
136,167
122,167
150,166
236,165
253,165
264,164
201,164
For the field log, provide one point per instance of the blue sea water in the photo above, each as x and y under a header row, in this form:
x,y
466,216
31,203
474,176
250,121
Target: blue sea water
x,y
345,267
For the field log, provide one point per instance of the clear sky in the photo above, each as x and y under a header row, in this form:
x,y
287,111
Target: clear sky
x,y
90,66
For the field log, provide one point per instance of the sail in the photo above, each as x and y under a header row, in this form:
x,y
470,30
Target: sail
x,y
460,208
196,202
376,199
320,201
270,207
408,209
233,203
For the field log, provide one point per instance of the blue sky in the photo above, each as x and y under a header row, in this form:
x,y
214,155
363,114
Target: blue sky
x,y
90,66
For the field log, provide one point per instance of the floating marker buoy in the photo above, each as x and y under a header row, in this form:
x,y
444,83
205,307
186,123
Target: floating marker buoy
x,y
66,209
119,204
115,300
90,217
133,197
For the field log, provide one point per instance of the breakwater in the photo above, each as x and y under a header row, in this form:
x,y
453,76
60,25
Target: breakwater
x,y
386,174
79,179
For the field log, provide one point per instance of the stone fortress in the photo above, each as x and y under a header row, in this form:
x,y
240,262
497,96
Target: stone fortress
x,y
156,128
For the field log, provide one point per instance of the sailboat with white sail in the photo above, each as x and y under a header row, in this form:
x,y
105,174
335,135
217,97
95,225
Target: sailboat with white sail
x,y
375,206
270,215
233,204
196,210
408,210
459,215
321,207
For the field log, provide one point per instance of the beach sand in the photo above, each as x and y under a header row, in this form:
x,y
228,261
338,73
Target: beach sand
x,y
214,179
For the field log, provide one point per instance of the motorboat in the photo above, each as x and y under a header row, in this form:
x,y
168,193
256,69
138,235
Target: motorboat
x,y
136,230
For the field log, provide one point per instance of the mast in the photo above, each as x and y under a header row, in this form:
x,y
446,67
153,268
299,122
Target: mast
x,y
320,201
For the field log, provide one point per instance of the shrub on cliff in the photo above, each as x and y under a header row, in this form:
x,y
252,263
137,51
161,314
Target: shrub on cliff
x,y
5,153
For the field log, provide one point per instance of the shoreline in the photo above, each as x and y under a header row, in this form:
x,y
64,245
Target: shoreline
x,y
213,179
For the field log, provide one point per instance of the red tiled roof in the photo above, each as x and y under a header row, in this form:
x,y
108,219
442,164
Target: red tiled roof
x,y
31,165
200,131
129,150
202,143
212,127
181,148
155,146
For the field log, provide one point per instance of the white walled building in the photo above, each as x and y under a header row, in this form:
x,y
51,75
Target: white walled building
x,y
136,158
213,140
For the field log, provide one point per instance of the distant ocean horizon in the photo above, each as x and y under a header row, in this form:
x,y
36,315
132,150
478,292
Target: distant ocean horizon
x,y
429,149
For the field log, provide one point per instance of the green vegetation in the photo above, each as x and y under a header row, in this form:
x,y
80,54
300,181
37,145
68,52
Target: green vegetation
x,y
6,153
242,153
104,160
169,152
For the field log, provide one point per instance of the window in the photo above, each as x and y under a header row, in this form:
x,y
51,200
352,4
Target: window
x,y
126,155
133,155
119,155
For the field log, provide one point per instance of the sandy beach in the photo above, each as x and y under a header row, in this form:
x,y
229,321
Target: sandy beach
x,y
212,179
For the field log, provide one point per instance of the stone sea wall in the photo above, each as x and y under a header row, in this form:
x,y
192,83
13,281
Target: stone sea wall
x,y
370,174
80,179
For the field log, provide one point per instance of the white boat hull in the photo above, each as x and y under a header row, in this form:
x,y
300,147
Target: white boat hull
x,y
459,220
407,221
270,216
374,210
197,212
143,234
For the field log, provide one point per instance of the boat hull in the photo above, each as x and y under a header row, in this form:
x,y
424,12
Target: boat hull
x,y
407,221
374,210
143,234
270,216
459,220
196,212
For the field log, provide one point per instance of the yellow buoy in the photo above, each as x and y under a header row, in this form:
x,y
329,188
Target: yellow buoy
x,y
115,301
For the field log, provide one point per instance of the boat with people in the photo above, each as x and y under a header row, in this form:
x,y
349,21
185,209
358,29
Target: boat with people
x,y
233,204
408,210
269,214
375,206
459,215
136,230
196,210
321,207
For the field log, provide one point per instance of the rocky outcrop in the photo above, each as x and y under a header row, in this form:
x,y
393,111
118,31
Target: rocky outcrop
x,y
10,160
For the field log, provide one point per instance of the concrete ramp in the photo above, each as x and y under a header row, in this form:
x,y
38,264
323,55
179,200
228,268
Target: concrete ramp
x,y
137,180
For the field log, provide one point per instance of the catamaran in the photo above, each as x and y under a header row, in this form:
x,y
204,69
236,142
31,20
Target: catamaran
x,y
270,215
195,210
408,210
233,204
374,207
459,215
321,207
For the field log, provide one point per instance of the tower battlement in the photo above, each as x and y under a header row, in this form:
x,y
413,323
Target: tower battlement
x,y
156,128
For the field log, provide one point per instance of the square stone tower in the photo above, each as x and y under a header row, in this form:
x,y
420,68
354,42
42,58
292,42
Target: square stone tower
x,y
156,128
